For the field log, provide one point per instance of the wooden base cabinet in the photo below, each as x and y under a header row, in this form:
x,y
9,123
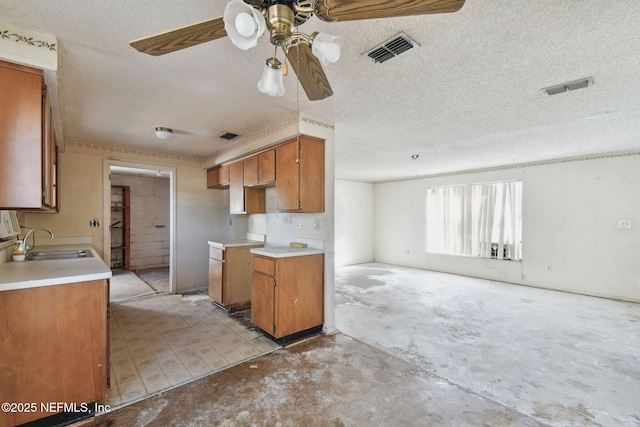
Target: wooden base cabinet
x,y
287,294
230,276
53,348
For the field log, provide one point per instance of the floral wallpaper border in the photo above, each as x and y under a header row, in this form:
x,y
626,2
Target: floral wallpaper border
x,y
129,153
19,38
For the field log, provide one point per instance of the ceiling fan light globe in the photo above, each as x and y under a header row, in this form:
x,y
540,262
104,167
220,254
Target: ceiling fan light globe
x,y
245,24
326,48
241,19
272,81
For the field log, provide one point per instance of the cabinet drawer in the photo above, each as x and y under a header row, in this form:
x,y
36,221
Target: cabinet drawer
x,y
264,265
216,253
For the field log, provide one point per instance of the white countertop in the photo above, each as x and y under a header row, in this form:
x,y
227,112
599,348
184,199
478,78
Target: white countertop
x,y
285,251
33,274
230,243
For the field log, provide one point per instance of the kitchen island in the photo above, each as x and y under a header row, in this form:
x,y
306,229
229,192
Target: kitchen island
x,y
54,329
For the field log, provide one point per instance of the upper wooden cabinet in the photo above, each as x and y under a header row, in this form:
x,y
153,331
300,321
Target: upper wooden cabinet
x,y
260,169
218,177
28,165
300,175
295,167
243,200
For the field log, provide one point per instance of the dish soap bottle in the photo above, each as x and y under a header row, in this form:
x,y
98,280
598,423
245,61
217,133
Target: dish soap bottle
x,y
18,251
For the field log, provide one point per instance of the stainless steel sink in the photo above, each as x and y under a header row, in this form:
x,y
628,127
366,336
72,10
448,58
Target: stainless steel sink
x,y
66,254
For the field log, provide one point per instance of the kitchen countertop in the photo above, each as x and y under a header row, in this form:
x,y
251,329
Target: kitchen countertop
x,y
285,251
33,274
230,243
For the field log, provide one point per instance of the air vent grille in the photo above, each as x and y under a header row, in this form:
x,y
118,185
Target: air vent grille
x,y
392,48
228,136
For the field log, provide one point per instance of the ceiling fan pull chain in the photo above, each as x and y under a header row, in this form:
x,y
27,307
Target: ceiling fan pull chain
x,y
285,66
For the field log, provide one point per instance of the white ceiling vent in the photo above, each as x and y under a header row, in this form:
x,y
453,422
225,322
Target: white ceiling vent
x,y
395,46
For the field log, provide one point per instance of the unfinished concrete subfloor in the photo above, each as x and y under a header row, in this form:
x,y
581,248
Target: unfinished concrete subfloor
x,y
420,348
326,381
561,358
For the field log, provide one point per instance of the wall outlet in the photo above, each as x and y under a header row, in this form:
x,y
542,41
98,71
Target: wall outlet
x,y
547,267
94,223
298,224
316,224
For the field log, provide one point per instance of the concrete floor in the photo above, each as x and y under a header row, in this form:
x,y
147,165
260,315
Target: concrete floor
x,y
419,348
560,358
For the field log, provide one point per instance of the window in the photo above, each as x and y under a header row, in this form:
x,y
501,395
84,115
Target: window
x,y
483,220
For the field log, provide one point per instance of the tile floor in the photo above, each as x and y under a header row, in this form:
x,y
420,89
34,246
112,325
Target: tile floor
x,y
163,341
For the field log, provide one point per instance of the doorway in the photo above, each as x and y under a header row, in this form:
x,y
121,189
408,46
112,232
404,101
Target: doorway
x,y
114,170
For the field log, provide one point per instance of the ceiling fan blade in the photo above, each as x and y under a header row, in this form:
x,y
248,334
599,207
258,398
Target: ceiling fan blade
x,y
309,71
181,38
352,10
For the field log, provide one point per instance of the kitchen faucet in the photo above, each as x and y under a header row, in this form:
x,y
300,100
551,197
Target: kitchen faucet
x,y
33,230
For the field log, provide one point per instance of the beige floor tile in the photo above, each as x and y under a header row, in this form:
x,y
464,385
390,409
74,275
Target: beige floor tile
x,y
165,340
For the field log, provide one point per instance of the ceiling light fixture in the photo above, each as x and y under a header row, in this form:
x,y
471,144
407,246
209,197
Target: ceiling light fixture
x,y
565,87
272,81
244,25
163,133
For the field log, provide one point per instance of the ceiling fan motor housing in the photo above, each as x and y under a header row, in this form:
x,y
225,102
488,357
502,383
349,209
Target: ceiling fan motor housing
x,y
280,21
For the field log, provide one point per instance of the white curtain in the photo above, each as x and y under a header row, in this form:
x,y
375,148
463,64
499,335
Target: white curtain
x,y
476,220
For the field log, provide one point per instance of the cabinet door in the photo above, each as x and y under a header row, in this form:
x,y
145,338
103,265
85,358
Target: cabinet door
x,y
299,294
287,171
267,167
311,155
251,170
215,280
262,302
53,346
236,188
212,178
223,175
47,142
20,136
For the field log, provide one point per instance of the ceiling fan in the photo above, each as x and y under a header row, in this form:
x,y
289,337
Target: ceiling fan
x,y
245,21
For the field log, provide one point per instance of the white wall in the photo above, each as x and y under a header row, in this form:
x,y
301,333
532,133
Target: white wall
x,y
571,211
199,219
354,222
150,215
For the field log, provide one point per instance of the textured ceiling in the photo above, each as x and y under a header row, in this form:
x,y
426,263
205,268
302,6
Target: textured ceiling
x,y
469,97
